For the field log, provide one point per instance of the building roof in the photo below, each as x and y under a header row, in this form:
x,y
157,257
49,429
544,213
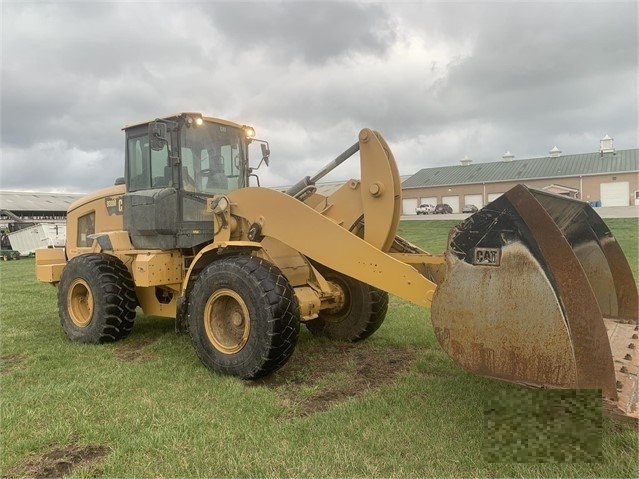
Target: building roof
x,y
34,201
585,164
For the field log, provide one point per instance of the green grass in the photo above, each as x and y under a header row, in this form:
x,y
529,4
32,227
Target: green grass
x,y
627,233
165,415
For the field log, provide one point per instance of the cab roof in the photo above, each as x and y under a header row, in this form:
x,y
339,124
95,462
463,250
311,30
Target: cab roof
x,y
177,115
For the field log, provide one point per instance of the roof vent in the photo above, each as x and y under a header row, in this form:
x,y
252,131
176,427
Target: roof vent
x,y
465,161
508,156
555,152
606,145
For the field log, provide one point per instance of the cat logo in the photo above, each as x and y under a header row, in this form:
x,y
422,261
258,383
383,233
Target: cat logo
x,y
114,205
487,256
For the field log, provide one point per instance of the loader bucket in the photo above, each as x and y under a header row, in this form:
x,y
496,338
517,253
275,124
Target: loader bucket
x,y
535,285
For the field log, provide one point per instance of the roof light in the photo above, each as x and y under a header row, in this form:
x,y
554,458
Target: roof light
x,y
249,132
193,119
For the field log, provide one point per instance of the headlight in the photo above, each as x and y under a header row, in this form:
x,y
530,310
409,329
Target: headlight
x,y
249,132
195,120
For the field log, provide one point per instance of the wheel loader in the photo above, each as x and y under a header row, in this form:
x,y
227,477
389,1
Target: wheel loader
x,y
532,289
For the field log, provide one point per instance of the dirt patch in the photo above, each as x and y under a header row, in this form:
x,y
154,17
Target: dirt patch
x,y
135,350
319,376
10,362
60,462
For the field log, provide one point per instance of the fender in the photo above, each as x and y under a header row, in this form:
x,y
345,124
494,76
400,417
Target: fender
x,y
218,248
200,261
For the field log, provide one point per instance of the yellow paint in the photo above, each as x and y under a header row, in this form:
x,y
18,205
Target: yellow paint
x,y
157,268
328,243
49,264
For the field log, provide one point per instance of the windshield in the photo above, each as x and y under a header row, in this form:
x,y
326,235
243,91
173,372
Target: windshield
x,y
212,158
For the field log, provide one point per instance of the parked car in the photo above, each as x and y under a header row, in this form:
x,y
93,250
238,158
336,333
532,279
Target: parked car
x,y
469,209
425,209
442,208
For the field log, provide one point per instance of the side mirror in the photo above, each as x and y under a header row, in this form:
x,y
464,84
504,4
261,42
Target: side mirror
x,y
157,135
265,153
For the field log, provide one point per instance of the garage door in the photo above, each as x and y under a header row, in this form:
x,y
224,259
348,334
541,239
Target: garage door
x,y
493,196
429,200
615,194
408,206
453,201
476,200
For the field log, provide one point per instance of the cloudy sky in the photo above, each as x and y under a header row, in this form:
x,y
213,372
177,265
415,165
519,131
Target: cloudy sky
x,y
439,80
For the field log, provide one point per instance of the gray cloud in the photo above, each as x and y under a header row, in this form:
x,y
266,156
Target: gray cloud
x,y
439,80
311,32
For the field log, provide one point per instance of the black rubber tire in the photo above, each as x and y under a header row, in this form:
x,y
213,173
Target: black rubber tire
x,y
363,312
273,316
113,293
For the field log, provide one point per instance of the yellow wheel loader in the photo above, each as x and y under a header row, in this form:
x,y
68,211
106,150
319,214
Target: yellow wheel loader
x,y
532,289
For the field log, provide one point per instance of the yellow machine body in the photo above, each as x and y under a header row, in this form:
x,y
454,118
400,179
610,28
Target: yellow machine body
x,y
532,289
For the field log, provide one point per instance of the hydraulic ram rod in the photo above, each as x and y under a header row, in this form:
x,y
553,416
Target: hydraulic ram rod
x,y
311,180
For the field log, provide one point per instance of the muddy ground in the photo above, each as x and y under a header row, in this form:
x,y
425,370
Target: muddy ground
x,y
10,362
134,351
319,376
60,462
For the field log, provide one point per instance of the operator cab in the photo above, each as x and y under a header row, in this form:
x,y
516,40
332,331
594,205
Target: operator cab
x,y
172,166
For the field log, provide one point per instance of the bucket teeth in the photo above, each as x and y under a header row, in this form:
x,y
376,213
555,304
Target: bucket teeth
x,y
626,367
529,280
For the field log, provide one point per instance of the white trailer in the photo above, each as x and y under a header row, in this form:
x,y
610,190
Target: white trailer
x,y
43,235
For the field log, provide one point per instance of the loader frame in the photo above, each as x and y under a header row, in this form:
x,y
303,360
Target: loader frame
x,y
240,267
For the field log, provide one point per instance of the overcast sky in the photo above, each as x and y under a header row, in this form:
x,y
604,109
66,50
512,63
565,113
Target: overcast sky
x,y
439,80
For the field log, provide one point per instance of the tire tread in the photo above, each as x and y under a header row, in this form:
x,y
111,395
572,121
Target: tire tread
x,y
275,292
108,274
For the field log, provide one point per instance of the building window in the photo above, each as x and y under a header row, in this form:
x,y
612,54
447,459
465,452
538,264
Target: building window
x,y
86,227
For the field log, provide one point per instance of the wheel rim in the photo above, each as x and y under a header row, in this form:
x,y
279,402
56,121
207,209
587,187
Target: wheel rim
x,y
227,321
80,303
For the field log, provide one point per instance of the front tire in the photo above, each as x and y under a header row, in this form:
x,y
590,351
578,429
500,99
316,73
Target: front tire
x,y
96,299
243,317
362,313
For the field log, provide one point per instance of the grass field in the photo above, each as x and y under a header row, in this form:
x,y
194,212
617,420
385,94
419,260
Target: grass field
x,y
393,406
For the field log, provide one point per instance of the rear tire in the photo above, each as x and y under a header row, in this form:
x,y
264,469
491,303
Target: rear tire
x,y
243,317
362,314
96,299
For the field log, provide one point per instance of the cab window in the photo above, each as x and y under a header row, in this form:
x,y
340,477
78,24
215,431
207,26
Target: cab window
x,y
86,227
211,156
147,168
